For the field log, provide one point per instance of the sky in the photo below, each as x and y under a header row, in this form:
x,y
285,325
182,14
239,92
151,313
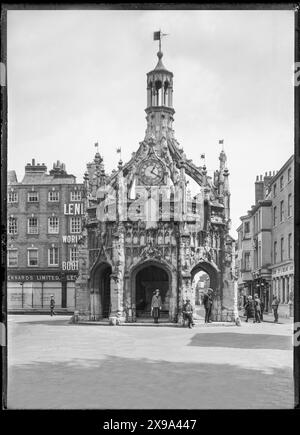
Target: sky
x,y
79,77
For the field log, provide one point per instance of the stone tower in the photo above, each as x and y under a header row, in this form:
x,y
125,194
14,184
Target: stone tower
x,y
144,229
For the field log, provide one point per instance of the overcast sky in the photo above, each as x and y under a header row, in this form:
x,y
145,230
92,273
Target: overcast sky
x,y
78,77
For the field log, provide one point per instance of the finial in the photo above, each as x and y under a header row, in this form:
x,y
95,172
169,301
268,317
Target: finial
x,y
221,142
157,36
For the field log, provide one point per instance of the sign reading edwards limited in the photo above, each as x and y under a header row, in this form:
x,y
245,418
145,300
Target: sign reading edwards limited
x,y
40,276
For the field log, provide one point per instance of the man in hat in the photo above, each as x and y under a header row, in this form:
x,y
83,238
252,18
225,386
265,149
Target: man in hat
x,y
156,306
207,302
52,305
188,313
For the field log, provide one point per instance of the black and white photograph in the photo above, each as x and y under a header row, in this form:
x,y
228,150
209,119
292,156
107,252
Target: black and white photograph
x,y
150,209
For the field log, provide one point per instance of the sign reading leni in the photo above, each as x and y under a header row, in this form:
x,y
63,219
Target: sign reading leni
x,y
73,209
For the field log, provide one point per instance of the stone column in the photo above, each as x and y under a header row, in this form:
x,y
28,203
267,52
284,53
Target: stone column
x,y
82,291
117,278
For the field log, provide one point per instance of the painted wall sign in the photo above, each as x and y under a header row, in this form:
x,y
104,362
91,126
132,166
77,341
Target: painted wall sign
x,y
73,209
71,239
41,277
70,265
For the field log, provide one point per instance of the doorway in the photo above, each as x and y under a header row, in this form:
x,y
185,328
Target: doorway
x,y
101,286
147,280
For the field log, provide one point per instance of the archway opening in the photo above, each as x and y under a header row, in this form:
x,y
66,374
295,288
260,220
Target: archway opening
x,y
200,284
147,281
101,287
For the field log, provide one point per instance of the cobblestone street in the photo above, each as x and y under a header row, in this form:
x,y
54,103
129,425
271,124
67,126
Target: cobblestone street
x,y
54,364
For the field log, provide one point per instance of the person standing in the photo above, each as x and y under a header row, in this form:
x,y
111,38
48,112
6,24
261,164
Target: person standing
x,y
257,308
249,308
156,306
262,307
188,313
52,305
207,302
275,304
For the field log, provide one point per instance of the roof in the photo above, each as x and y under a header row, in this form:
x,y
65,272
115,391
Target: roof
x,y
160,66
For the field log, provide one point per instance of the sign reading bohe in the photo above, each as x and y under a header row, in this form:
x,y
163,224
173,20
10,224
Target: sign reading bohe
x,y
70,265
73,209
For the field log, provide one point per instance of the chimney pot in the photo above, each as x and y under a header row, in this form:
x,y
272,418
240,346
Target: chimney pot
x,y
33,162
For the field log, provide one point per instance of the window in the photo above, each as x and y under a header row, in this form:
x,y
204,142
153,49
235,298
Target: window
x,y
247,228
75,196
12,225
53,196
75,225
281,211
33,197
12,197
275,252
275,216
32,257
12,260
281,249
274,189
247,260
290,246
289,174
53,257
32,225
290,205
73,254
281,182
53,225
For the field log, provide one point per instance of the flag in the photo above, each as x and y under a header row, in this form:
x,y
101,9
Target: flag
x,y
221,141
157,35
118,150
96,144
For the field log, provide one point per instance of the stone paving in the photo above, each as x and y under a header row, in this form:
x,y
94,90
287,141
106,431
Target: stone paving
x,y
54,364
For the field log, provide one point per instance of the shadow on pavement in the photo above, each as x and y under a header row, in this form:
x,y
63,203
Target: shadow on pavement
x,y
51,321
123,383
242,341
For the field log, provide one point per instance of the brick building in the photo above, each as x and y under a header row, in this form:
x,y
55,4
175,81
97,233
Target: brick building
x,y
44,213
265,240
282,268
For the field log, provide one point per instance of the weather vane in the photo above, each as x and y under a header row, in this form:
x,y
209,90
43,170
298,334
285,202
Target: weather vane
x,y
158,35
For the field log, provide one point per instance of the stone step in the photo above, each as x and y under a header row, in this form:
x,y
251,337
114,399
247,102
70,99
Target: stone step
x,y
160,324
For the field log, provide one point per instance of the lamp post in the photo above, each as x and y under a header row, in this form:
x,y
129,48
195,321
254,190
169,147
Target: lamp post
x,y
22,294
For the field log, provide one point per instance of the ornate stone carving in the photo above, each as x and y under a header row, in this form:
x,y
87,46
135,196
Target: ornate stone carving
x,y
151,252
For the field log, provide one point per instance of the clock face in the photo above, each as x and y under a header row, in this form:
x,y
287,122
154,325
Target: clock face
x,y
151,172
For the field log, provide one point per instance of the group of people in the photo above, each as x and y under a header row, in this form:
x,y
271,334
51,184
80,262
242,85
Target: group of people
x,y
156,306
254,308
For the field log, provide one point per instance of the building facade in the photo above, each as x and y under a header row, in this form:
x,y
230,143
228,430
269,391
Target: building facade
x,y
144,229
281,193
44,229
265,240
